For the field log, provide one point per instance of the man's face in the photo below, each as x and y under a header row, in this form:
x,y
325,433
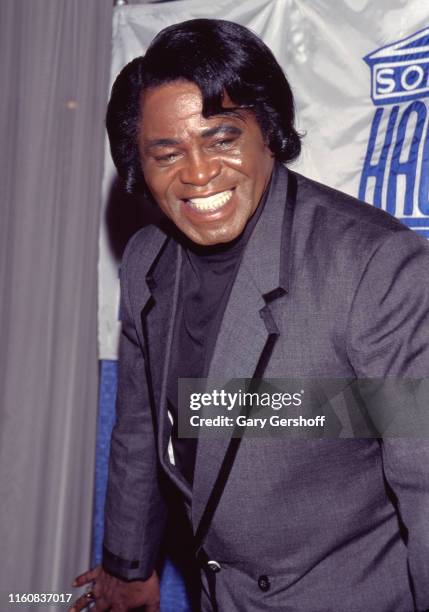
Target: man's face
x,y
207,175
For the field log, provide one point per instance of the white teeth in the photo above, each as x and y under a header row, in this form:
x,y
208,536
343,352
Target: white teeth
x,y
211,203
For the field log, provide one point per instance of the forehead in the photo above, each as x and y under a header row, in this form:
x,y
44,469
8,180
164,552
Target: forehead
x,y
180,99
174,106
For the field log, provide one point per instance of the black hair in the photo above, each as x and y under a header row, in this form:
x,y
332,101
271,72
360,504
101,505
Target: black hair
x,y
218,56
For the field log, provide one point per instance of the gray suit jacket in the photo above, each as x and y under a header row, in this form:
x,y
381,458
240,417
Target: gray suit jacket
x,y
342,292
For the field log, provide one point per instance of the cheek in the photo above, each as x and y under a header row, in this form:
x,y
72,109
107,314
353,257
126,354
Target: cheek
x,y
251,158
158,182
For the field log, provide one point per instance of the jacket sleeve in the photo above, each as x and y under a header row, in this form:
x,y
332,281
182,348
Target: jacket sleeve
x,y
389,339
135,510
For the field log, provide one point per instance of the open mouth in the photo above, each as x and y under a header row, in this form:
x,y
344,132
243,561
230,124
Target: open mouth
x,y
210,203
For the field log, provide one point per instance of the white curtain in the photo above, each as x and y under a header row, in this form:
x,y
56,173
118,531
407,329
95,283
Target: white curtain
x,y
54,63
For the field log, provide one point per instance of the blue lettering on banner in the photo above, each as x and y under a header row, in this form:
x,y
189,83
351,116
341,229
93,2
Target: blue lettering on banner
x,y
395,174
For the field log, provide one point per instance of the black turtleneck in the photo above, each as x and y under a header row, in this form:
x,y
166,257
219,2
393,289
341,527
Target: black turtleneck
x,y
207,276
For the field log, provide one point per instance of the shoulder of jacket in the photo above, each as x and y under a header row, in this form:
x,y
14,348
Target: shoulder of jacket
x,y
143,246
345,208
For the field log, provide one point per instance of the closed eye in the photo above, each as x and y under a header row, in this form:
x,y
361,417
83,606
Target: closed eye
x,y
224,143
167,158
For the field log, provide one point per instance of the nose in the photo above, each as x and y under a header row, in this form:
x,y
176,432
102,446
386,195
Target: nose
x,y
200,168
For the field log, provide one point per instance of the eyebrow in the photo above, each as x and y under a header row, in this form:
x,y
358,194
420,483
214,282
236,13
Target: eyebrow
x,y
223,128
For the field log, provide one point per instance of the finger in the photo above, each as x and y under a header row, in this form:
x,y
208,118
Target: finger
x,y
81,603
86,576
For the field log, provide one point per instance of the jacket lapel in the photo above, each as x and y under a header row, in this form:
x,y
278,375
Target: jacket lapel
x,y
158,318
249,331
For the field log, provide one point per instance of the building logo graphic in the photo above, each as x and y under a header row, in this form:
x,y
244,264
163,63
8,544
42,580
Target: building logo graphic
x,y
395,174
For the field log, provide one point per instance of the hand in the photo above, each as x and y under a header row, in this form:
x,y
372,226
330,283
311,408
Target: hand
x,y
111,593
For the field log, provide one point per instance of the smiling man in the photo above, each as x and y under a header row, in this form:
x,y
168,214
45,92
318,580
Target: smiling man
x,y
206,174
255,272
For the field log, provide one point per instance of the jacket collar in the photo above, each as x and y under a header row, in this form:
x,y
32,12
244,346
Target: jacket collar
x,y
263,259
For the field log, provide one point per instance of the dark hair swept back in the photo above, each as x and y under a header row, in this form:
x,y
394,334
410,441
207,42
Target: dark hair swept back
x,y
218,56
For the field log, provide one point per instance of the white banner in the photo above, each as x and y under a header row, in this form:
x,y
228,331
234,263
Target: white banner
x,y
359,70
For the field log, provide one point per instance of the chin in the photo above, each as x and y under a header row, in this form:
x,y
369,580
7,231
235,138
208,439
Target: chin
x,y
213,239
